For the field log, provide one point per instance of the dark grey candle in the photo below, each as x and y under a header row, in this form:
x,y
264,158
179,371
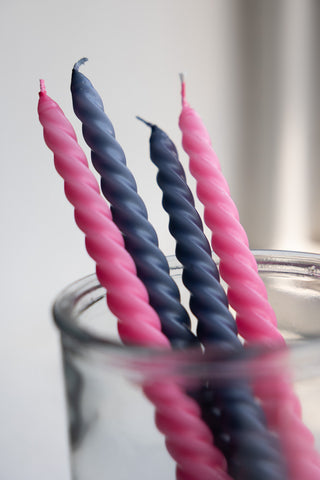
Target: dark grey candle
x,y
129,212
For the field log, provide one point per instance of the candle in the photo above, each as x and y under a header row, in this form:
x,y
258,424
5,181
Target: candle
x,y
240,419
115,268
129,212
246,293
127,298
208,300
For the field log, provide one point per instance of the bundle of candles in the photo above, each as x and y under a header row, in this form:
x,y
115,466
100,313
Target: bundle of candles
x,y
247,439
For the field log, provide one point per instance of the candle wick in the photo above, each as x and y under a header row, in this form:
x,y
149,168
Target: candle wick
x,y
43,90
151,125
181,75
79,63
183,88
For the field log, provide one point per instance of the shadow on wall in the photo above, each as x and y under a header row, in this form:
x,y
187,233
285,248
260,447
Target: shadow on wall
x,y
277,190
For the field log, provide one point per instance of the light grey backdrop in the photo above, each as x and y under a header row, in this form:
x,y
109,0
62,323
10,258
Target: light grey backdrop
x,y
252,71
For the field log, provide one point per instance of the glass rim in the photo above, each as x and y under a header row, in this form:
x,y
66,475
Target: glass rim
x,y
268,260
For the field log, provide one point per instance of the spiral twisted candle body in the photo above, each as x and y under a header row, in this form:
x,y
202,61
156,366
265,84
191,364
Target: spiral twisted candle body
x,y
115,268
208,300
231,412
129,212
127,298
247,293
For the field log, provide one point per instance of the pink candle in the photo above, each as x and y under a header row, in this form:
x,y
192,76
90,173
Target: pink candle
x,y
178,416
247,294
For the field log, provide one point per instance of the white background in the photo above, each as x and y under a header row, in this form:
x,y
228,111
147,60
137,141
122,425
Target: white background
x,y
251,71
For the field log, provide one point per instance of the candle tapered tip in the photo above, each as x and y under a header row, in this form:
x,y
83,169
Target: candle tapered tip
x,y
79,63
144,121
42,87
181,76
183,88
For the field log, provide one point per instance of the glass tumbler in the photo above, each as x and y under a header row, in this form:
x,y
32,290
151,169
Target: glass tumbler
x,y
113,430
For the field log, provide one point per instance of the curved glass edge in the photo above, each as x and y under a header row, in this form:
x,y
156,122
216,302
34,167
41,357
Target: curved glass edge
x,y
299,263
268,260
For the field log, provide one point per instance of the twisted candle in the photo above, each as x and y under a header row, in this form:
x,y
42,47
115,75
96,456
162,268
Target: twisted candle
x,y
128,210
178,415
115,268
208,300
240,419
246,293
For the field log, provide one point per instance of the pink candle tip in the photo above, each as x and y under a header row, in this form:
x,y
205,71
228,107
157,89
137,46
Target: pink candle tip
x,y
181,75
183,88
42,87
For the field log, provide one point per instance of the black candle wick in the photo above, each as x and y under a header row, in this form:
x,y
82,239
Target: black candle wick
x,y
151,125
80,62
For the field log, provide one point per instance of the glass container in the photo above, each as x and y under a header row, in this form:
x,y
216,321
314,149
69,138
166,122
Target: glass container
x,y
112,428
